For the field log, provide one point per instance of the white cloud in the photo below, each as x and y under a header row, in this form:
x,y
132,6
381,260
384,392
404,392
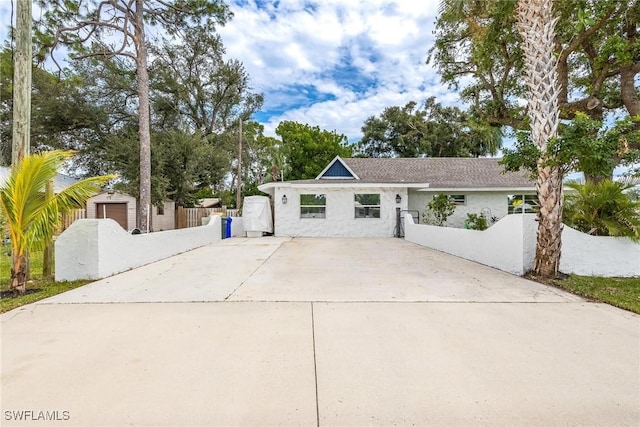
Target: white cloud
x,y
350,59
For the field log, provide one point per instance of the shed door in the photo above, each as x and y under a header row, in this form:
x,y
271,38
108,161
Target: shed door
x,y
115,211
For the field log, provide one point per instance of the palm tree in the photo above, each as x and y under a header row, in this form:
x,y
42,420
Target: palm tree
x,y
536,26
31,218
603,209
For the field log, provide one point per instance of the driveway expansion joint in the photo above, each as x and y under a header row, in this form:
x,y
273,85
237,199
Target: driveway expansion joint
x,y
315,364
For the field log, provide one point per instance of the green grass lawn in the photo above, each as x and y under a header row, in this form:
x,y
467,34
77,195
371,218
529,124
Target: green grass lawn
x,y
619,292
38,288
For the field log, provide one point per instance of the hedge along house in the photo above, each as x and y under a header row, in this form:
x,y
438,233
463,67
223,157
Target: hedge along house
x,y
363,197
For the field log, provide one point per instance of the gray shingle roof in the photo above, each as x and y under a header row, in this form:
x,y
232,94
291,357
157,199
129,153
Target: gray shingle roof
x,y
438,172
60,182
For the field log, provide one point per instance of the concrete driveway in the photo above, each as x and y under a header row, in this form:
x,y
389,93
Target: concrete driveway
x,y
331,332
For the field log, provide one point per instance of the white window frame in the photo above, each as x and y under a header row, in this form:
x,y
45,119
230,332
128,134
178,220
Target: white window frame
x,y
458,202
532,198
319,215
366,208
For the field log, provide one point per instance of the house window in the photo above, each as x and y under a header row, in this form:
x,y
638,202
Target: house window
x,y
160,209
313,206
522,203
458,199
367,205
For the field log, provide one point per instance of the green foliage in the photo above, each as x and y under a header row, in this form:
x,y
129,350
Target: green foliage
x,y
308,150
433,131
193,84
30,217
438,210
479,40
227,197
61,115
477,49
476,222
584,145
603,209
179,162
73,22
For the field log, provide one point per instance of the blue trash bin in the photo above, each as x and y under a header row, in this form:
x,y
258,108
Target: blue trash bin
x,y
227,233
223,223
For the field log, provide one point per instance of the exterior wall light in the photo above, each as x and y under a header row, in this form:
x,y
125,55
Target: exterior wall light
x,y
398,199
284,199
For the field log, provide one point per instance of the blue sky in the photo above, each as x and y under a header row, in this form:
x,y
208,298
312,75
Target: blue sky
x,y
334,63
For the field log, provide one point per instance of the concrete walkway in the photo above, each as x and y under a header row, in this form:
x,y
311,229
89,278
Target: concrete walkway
x,y
330,332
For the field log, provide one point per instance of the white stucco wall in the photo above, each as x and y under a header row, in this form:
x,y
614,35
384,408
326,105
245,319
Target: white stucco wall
x,y
500,246
167,221
114,198
237,227
599,256
510,245
98,248
340,219
496,202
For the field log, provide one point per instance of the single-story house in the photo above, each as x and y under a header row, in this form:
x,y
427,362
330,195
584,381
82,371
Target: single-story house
x,y
363,197
60,182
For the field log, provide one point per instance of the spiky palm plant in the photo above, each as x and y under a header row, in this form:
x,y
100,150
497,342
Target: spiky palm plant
x,y
536,26
30,218
603,209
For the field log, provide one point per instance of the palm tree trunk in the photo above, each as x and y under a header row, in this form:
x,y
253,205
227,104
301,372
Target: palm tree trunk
x,y
19,274
536,26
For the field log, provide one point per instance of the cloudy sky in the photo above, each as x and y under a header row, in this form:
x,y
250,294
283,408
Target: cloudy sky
x,y
333,63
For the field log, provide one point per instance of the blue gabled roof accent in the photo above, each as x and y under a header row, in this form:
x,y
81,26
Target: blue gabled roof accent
x,y
337,169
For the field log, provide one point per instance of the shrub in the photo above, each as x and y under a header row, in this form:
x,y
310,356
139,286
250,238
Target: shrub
x,y
603,209
438,210
476,222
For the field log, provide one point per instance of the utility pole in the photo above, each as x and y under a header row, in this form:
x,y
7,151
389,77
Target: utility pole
x,y
22,83
239,192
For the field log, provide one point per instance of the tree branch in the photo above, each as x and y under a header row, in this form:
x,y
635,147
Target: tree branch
x,y
564,54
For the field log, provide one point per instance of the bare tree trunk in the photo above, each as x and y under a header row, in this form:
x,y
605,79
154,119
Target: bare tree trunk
x,y
144,132
22,83
628,74
239,192
536,26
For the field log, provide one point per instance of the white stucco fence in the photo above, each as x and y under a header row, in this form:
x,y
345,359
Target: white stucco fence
x,y
599,256
237,226
509,245
505,245
98,248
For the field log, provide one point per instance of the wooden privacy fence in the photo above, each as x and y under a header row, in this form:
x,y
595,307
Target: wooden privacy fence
x,y
192,217
68,219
